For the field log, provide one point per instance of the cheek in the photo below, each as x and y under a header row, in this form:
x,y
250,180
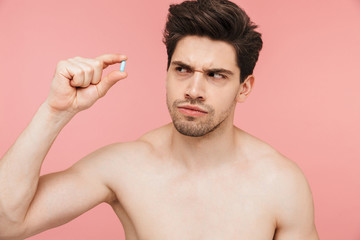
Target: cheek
x,y
225,99
170,94
173,89
169,88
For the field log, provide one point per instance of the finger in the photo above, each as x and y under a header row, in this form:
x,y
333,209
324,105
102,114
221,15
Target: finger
x,y
75,72
108,81
109,59
87,70
97,67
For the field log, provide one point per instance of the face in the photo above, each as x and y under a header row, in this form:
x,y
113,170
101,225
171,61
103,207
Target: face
x,y
203,85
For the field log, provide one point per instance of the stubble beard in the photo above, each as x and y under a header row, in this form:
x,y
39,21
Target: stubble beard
x,y
192,126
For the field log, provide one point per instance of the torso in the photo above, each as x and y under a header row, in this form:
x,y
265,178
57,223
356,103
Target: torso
x,y
157,199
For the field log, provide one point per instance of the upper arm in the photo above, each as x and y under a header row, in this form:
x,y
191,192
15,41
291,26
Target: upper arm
x,y
295,218
62,196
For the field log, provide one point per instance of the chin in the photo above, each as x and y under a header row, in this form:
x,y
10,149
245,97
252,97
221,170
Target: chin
x,y
192,129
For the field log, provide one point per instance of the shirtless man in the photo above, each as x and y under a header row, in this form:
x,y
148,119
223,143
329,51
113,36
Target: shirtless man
x,y
199,177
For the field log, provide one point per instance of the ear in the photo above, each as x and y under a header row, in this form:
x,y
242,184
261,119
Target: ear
x,y
245,89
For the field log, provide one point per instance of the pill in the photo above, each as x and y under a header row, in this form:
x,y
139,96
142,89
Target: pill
x,y
122,66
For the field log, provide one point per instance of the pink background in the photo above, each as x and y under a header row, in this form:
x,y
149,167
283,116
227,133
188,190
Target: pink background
x,y
306,101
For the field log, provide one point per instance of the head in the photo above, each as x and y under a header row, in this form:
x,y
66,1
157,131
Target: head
x,y
218,20
212,50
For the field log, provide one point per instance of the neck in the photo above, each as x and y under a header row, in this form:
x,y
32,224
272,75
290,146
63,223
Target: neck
x,y
210,151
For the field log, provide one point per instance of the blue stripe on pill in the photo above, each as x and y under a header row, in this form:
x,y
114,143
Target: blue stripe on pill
x,y
122,66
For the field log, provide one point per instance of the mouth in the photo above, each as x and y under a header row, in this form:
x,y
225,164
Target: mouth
x,y
193,111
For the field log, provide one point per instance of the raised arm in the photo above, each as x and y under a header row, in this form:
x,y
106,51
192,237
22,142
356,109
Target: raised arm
x,y
76,86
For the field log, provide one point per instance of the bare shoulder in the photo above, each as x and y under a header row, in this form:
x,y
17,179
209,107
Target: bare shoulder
x,y
290,193
285,175
262,156
117,153
113,159
158,137
130,151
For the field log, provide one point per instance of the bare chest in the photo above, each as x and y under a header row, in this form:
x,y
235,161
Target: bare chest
x,y
159,205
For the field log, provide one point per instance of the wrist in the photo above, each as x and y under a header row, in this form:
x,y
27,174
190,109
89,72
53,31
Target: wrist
x,y
51,115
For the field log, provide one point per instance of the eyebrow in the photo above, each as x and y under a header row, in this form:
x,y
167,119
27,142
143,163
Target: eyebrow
x,y
213,70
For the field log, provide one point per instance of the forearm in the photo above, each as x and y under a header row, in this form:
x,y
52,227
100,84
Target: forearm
x,y
76,86
21,164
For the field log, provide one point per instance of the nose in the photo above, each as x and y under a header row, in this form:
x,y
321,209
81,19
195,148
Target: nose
x,y
196,86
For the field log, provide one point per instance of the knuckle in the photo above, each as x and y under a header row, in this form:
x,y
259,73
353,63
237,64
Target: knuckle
x,y
61,63
98,63
89,69
79,71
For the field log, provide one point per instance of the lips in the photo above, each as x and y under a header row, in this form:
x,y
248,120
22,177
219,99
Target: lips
x,y
193,111
194,108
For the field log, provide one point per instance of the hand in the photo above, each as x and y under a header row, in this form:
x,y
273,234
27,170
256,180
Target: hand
x,y
77,82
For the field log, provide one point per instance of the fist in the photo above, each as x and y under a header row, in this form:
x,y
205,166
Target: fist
x,y
77,82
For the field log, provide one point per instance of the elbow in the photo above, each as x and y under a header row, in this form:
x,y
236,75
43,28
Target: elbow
x,y
11,234
11,230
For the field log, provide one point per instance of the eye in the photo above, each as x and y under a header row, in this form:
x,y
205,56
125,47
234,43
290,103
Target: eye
x,y
217,75
182,70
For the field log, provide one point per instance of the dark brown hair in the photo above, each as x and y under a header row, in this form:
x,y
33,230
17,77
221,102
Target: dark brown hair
x,y
218,20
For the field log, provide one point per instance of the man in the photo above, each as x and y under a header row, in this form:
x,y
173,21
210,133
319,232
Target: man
x,y
199,177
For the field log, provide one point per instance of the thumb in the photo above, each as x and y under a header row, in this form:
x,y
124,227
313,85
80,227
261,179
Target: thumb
x,y
108,81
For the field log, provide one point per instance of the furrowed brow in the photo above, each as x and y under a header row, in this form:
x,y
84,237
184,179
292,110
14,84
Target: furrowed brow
x,y
181,64
210,70
219,70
